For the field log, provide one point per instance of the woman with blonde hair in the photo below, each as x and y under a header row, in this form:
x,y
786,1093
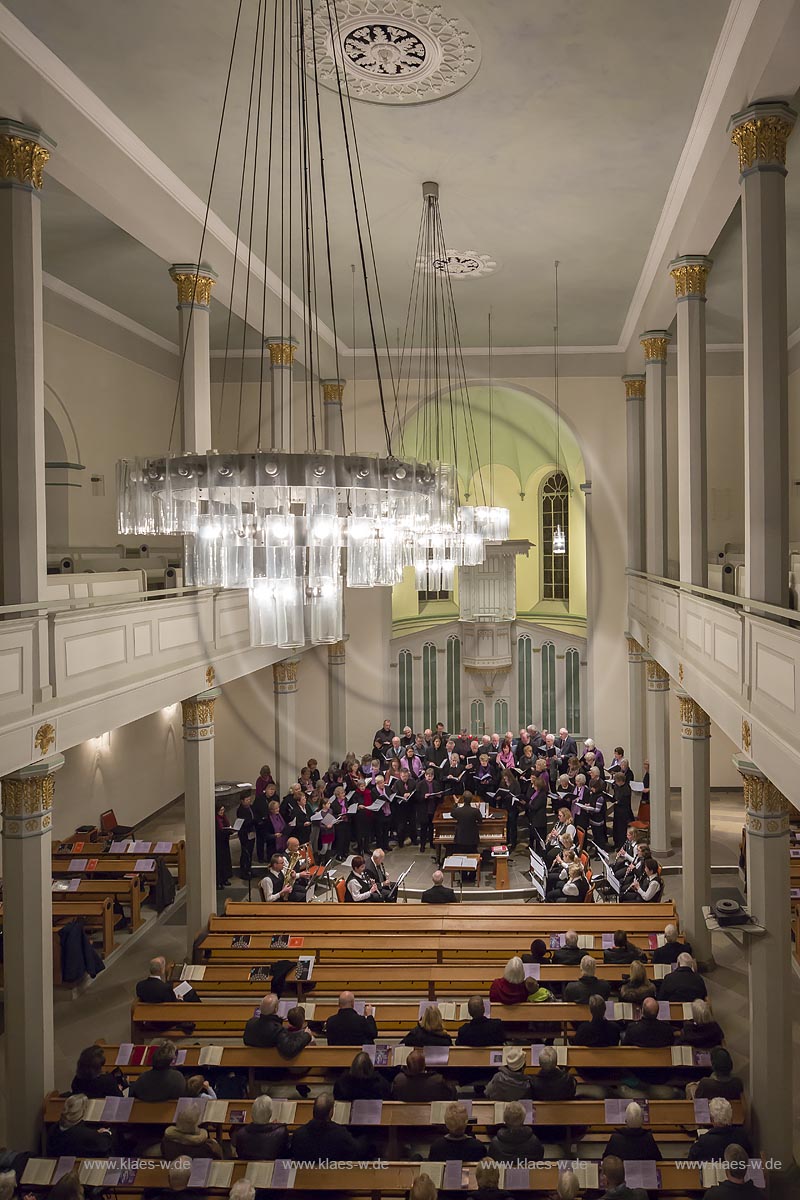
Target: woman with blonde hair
x,y
429,1030
510,987
638,987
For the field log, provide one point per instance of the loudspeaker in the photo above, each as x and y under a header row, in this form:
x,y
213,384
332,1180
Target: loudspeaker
x,y
730,912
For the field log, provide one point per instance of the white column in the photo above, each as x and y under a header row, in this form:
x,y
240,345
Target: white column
x,y
200,805
658,757
194,285
281,365
690,273
760,133
636,707
23,525
28,944
769,964
337,701
696,824
634,421
592,575
333,421
655,342
284,682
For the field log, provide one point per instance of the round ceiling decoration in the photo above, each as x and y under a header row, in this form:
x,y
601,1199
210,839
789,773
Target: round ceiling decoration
x,y
463,264
394,51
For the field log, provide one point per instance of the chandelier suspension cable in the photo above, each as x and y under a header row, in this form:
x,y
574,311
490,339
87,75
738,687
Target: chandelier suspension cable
x,y
491,415
556,372
308,259
408,332
238,227
266,221
438,280
185,347
353,344
361,249
262,25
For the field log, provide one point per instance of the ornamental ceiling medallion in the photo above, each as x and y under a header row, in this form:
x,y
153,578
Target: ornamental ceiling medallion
x,y
461,264
395,51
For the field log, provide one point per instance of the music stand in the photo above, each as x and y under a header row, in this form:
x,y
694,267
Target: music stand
x,y
401,879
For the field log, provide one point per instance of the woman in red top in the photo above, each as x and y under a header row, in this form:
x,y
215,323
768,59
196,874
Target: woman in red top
x,y
511,987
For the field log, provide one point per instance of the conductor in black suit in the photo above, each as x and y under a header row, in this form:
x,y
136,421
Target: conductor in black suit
x,y
467,820
439,894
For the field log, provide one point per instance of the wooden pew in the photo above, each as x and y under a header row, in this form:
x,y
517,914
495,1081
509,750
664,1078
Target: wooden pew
x,y
131,891
228,1019
511,915
98,914
386,1181
117,864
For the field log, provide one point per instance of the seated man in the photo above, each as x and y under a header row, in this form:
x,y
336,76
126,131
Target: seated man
x,y
702,1031
510,1082
613,1170
438,893
415,1084
156,990
633,1143
375,870
480,1030
598,1030
73,1136
266,1028
322,1138
734,1186
261,1138
668,953
648,1030
552,1082
273,886
347,1027
456,1144
711,1145
579,990
162,1081
570,954
178,1172
515,1141
683,984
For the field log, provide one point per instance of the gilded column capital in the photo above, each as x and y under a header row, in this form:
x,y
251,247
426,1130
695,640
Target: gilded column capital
x,y
766,808
654,343
27,797
284,676
198,716
23,155
194,284
336,654
695,721
332,390
634,386
657,677
281,349
635,651
760,133
690,273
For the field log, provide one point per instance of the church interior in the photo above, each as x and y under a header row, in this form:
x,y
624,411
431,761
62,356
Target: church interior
x,y
400,505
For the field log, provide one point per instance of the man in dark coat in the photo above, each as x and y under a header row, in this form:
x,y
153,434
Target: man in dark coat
x,y
321,1139
347,1027
439,894
480,1030
266,1028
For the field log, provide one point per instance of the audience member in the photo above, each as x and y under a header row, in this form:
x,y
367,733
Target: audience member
x,y
623,951
579,990
178,1174
91,1079
296,1036
735,1186
186,1138
570,954
721,1081
361,1081
423,1188
711,1145
510,1081
243,1189
69,1187
266,1027
648,1030
487,1180
672,948
551,1082
637,987
702,1031
322,1139
416,1084
155,989
438,893
480,1030
72,1135
683,984
633,1142
162,1081
598,1030
456,1144
510,988
613,1170
348,1027
538,952
261,1138
515,1142
429,1030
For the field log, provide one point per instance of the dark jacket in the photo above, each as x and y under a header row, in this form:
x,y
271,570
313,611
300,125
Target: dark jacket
x,y
649,1031
292,1041
624,954
481,1031
256,1142
507,1085
730,1089
579,990
711,1146
439,894
80,1140
467,820
568,956
78,955
623,1192
682,985
701,1036
421,1037
97,1086
463,1149
263,1031
153,1086
728,1190
597,1033
373,1087
324,1139
508,1145
156,991
633,1145
668,953
347,1028
548,1086
422,1089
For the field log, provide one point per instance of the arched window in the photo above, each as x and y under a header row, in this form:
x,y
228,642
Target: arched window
x,y
406,691
477,721
555,512
525,682
429,691
453,684
500,716
572,666
549,686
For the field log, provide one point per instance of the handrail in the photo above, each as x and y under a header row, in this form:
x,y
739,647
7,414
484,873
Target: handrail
x,y
773,611
78,602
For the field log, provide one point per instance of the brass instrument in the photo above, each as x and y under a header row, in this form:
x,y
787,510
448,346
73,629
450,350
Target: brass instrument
x,y
290,874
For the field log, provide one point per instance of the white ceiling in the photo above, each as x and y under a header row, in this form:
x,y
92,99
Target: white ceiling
x,y
563,146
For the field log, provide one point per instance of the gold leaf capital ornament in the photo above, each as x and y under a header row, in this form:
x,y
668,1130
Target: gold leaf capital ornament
x,y
634,386
281,351
746,736
332,390
760,134
194,285
284,672
690,274
654,343
22,157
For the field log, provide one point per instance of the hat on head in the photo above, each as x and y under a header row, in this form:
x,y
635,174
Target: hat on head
x,y
515,1058
74,1109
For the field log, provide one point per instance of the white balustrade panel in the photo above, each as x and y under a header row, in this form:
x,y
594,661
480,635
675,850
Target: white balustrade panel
x,y
16,666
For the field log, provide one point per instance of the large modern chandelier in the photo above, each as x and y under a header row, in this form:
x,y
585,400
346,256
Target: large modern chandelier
x,y
294,526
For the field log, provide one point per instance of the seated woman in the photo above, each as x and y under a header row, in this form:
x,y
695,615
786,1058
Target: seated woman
x,y
361,1081
72,1135
651,887
563,828
90,1079
511,987
187,1137
622,951
702,1031
429,1030
638,987
575,889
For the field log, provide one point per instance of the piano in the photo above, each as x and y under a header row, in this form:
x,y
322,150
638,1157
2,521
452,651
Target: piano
x,y
492,831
